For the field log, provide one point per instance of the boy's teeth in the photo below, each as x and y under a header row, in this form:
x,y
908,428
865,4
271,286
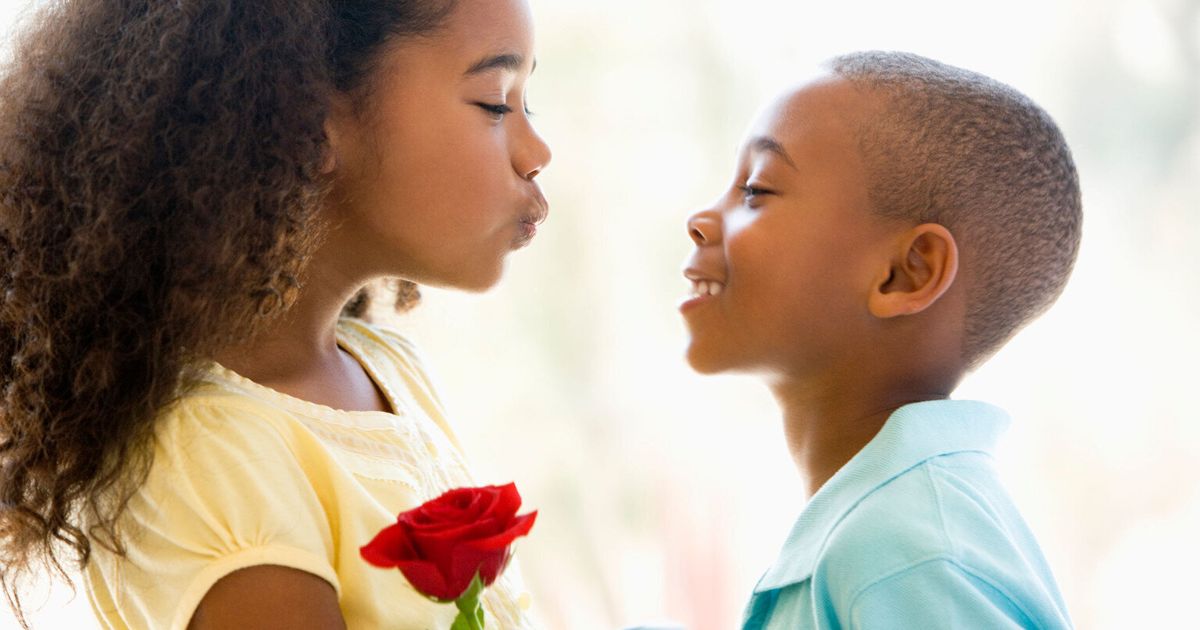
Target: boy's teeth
x,y
701,288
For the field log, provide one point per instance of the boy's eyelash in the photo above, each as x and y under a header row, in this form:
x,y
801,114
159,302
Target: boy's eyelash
x,y
751,191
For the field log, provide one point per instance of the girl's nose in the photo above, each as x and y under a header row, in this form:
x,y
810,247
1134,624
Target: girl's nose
x,y
533,157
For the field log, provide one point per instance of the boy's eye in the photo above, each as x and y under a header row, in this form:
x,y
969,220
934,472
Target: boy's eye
x,y
751,193
496,111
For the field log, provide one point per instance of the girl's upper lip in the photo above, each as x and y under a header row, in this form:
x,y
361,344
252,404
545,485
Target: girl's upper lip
x,y
540,210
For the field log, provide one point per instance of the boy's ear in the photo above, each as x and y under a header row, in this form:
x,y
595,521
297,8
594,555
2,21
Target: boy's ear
x,y
922,268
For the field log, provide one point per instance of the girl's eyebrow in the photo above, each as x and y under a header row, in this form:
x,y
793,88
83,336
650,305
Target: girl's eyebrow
x,y
509,62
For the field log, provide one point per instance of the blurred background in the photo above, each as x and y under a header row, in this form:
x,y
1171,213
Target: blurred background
x,y
664,495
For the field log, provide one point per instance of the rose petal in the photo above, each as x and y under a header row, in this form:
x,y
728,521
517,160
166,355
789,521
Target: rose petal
x,y
508,500
438,551
466,531
469,560
441,545
390,546
455,506
428,579
432,523
519,526
489,556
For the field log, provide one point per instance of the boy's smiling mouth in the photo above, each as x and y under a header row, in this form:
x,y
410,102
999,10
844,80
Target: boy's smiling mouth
x,y
706,287
703,287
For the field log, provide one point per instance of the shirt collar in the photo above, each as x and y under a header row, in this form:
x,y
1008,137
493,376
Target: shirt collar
x,y
913,434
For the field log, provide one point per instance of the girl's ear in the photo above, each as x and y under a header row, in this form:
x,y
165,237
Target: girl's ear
x,y
341,114
922,269
329,159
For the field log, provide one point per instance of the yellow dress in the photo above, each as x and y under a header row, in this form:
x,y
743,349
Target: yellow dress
x,y
244,475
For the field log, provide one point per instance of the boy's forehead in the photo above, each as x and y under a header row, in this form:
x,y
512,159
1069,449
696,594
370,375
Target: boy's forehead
x,y
826,109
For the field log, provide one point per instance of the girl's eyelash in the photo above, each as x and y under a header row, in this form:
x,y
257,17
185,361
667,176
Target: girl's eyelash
x,y
501,109
496,110
751,191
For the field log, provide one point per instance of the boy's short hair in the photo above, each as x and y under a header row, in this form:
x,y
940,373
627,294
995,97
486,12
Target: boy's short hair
x,y
957,148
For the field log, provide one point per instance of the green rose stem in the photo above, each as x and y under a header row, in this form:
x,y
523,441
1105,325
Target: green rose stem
x,y
470,612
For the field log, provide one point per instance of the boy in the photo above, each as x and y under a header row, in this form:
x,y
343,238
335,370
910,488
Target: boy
x,y
891,225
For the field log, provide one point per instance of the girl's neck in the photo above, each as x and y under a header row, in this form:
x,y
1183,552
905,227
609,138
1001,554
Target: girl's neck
x,y
299,355
304,339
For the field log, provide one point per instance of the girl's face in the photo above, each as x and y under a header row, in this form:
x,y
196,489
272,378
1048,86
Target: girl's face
x,y
433,181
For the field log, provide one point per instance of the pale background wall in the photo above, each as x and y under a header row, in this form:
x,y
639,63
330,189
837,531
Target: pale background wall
x,y
663,494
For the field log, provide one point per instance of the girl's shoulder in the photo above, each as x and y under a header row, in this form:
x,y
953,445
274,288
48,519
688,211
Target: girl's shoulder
x,y
213,420
397,362
381,342
381,334
231,483
225,416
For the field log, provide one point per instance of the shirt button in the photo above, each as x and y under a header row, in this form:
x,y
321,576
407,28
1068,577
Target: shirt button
x,y
524,601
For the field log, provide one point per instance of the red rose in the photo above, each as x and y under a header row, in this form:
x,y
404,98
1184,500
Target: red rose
x,y
442,544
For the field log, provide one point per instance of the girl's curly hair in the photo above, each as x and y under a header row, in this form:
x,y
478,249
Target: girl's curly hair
x,y
160,187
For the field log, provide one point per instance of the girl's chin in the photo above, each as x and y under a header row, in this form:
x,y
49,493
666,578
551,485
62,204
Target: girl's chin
x,y
476,281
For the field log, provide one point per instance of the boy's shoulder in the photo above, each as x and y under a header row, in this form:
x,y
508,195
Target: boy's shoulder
x,y
915,531
945,526
944,507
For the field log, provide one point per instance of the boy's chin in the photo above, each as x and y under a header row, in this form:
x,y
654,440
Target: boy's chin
x,y
705,362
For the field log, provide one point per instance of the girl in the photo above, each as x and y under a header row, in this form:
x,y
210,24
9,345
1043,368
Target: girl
x,y
193,196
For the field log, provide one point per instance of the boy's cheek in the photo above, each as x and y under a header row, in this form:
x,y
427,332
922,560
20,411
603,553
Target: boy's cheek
x,y
737,221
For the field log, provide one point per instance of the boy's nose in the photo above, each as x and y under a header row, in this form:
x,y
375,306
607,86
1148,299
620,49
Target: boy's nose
x,y
705,228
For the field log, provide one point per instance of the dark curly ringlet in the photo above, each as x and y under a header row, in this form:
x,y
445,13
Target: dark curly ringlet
x,y
160,186
955,147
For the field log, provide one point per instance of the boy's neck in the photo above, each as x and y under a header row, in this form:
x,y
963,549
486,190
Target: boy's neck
x,y
827,424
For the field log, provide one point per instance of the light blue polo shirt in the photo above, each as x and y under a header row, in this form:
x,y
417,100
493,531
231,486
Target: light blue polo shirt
x,y
915,532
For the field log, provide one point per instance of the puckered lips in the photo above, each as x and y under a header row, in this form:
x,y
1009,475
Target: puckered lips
x,y
534,215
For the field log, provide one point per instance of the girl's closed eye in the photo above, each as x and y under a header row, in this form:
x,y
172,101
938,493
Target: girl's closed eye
x,y
496,111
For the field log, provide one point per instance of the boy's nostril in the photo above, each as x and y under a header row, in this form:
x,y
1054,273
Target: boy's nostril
x,y
697,235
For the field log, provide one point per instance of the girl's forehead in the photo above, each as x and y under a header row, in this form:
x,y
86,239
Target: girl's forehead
x,y
480,38
489,25
477,37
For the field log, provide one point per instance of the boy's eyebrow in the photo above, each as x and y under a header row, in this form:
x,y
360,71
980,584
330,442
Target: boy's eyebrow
x,y
770,145
509,62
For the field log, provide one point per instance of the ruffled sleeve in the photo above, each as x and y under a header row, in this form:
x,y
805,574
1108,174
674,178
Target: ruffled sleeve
x,y
227,490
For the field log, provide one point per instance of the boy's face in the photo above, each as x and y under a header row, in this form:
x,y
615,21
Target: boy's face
x,y
791,244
